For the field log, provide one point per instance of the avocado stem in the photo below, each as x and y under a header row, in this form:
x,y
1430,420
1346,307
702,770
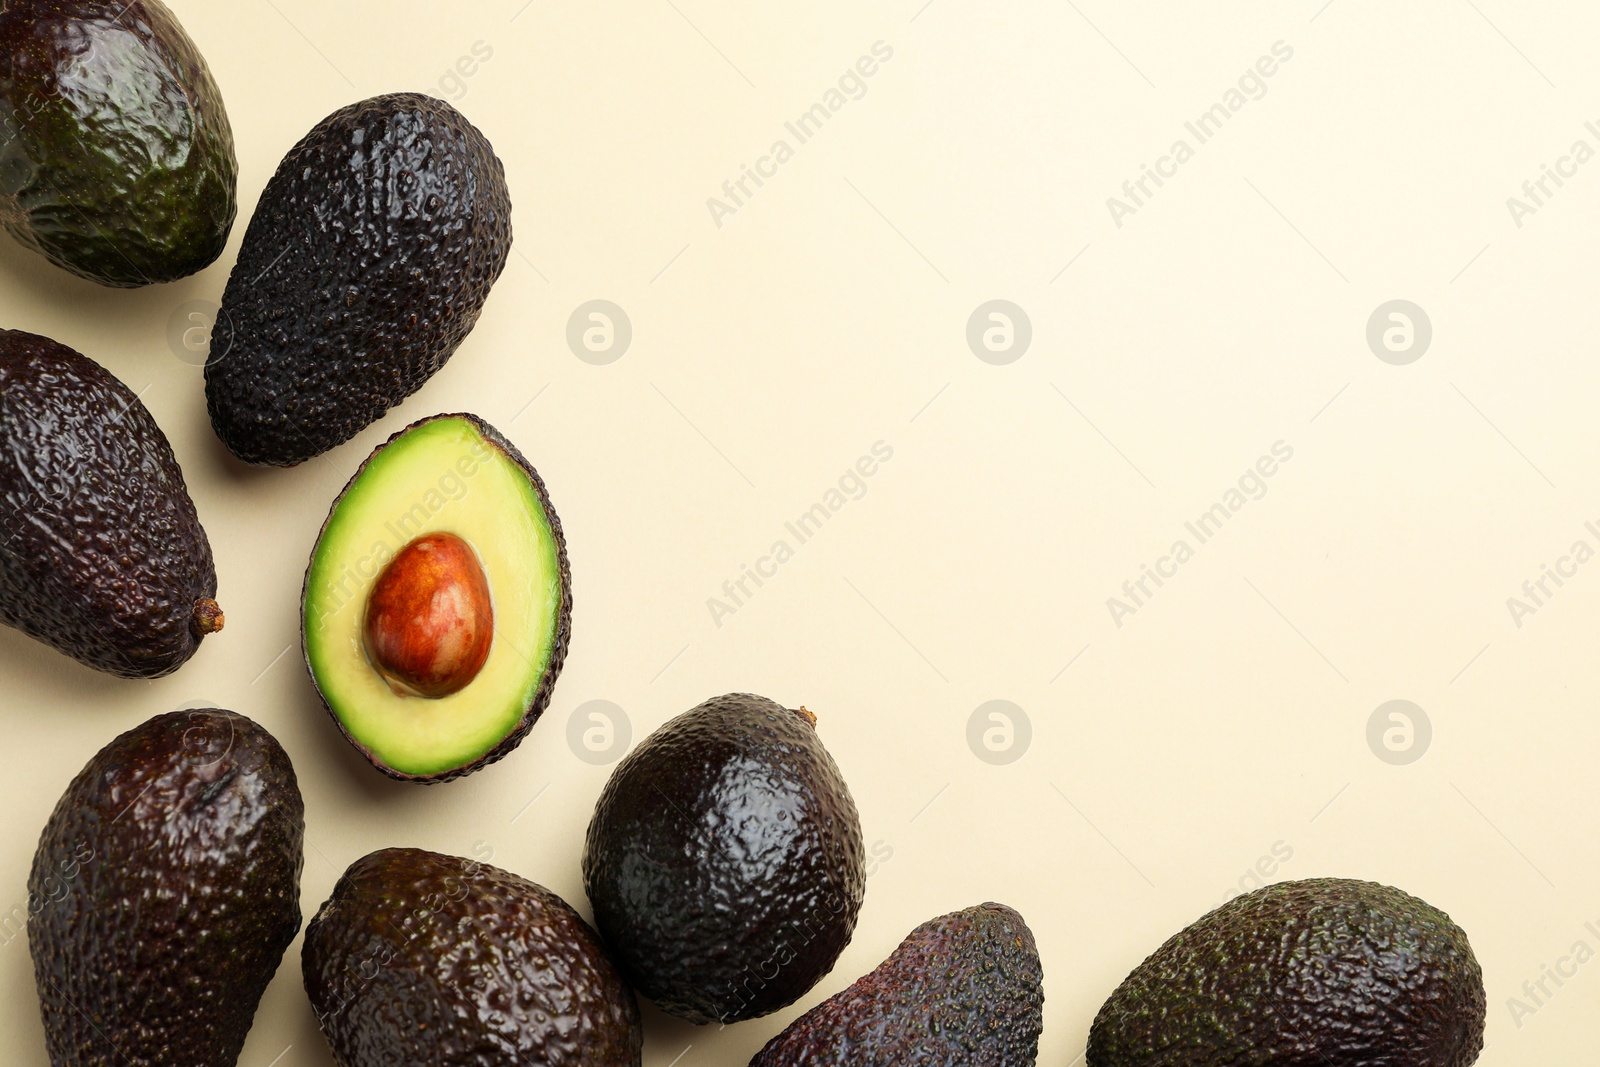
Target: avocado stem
x,y
207,617
810,718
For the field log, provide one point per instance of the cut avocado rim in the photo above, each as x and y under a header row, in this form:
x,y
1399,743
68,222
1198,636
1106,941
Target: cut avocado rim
x,y
559,640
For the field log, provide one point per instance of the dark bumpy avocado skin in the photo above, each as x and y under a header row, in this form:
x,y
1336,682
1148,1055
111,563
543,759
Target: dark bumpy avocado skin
x,y
101,552
1319,973
724,861
116,158
963,990
164,893
563,637
370,255
422,958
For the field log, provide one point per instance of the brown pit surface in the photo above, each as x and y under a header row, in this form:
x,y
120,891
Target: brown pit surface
x,y
429,621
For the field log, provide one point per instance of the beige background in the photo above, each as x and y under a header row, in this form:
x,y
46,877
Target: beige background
x,y
1226,719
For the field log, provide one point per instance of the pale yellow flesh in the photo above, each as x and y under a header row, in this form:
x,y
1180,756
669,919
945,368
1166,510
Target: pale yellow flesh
x,y
441,477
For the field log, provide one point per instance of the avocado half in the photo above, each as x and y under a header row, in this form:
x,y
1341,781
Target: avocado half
x,y
447,479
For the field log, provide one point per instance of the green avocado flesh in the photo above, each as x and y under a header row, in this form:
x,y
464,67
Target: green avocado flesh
x,y
453,475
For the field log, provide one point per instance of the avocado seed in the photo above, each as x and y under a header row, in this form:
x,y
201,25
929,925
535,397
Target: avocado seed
x,y
429,621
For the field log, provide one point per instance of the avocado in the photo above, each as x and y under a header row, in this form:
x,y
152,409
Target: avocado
x,y
438,604
368,259
1326,972
101,553
423,958
116,158
164,892
965,988
724,861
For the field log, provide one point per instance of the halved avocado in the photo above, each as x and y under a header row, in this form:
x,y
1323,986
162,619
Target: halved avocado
x,y
438,603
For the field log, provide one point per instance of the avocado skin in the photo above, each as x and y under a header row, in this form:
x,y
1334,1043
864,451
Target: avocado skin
x,y
370,255
963,990
558,649
116,157
101,553
725,862
424,958
164,893
1326,972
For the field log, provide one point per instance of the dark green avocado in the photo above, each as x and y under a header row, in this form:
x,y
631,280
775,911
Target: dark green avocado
x,y
419,958
116,158
1325,972
370,255
164,892
437,607
724,861
963,990
101,553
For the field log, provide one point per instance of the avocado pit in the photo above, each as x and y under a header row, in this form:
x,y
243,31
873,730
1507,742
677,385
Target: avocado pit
x,y
429,619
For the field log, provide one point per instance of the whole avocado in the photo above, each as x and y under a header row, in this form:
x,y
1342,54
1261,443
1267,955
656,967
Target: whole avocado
x,y
164,892
116,158
424,958
1325,972
101,553
725,862
368,259
963,990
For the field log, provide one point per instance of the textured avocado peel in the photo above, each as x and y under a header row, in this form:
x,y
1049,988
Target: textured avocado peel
x,y
1324,972
725,862
367,262
102,554
164,893
423,958
963,990
116,157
